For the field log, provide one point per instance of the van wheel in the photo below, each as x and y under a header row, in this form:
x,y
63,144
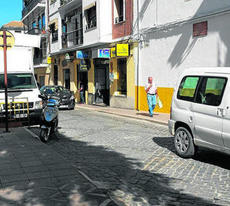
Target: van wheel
x,y
183,142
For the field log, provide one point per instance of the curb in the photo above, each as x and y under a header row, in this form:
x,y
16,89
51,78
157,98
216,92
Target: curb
x,y
124,115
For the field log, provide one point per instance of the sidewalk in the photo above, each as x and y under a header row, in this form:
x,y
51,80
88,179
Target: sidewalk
x,y
160,118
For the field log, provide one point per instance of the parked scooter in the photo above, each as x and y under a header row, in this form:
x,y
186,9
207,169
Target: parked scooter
x,y
49,119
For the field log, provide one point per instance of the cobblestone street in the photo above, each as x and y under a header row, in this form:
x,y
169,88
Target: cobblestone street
x,y
134,163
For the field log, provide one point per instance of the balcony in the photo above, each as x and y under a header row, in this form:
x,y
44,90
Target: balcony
x,y
30,5
72,38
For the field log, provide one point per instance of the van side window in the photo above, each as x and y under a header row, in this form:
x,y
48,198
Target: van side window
x,y
187,88
211,90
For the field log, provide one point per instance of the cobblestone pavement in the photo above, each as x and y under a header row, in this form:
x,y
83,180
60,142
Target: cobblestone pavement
x,y
134,162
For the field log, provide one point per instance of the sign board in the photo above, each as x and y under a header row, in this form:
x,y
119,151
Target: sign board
x,y
49,60
67,56
104,53
84,65
10,40
82,55
113,52
122,50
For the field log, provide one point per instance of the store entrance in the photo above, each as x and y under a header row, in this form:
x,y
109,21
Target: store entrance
x,y
102,93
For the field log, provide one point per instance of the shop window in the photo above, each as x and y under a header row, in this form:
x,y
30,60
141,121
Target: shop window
x,y
42,81
200,29
119,11
54,32
122,76
91,18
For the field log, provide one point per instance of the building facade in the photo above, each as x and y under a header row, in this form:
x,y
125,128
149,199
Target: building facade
x,y
34,17
87,41
177,36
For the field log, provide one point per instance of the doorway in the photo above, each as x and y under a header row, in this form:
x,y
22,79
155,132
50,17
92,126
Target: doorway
x,y
55,75
67,78
102,94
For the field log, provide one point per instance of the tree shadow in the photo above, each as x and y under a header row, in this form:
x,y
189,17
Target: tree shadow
x,y
203,155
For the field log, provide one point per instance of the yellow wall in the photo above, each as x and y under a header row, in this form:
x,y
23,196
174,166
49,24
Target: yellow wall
x,y
91,88
42,72
130,75
165,95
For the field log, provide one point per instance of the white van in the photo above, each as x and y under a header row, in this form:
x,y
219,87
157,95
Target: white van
x,y
200,111
23,91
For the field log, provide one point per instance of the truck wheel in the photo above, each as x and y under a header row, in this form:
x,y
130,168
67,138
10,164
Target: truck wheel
x,y
44,137
183,142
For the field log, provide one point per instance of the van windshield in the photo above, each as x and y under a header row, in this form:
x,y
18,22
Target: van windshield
x,y
18,81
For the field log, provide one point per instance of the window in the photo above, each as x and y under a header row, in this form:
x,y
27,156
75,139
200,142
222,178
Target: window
x,y
211,90
18,81
200,29
52,1
121,70
91,19
44,49
39,23
42,81
187,88
54,32
34,25
43,21
119,11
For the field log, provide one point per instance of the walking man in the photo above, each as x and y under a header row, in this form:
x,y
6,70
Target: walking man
x,y
151,91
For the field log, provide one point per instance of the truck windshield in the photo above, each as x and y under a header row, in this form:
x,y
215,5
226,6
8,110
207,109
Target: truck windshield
x,y
18,81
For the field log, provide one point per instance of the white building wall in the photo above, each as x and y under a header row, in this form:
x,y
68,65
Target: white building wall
x,y
55,46
105,21
160,12
91,36
167,53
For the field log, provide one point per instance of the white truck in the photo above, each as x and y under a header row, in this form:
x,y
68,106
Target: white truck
x,y
23,101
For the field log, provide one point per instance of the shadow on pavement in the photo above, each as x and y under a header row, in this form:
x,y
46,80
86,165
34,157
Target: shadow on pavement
x,y
203,155
69,172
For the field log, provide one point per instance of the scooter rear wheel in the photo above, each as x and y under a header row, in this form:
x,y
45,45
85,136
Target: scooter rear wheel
x,y
44,137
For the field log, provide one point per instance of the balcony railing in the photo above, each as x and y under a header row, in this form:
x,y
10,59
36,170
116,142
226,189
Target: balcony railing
x,y
31,4
63,2
72,38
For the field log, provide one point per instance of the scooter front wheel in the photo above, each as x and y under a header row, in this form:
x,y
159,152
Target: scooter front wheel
x,y
44,136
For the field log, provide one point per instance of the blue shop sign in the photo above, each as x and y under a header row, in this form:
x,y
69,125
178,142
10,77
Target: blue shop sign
x,y
81,55
104,53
